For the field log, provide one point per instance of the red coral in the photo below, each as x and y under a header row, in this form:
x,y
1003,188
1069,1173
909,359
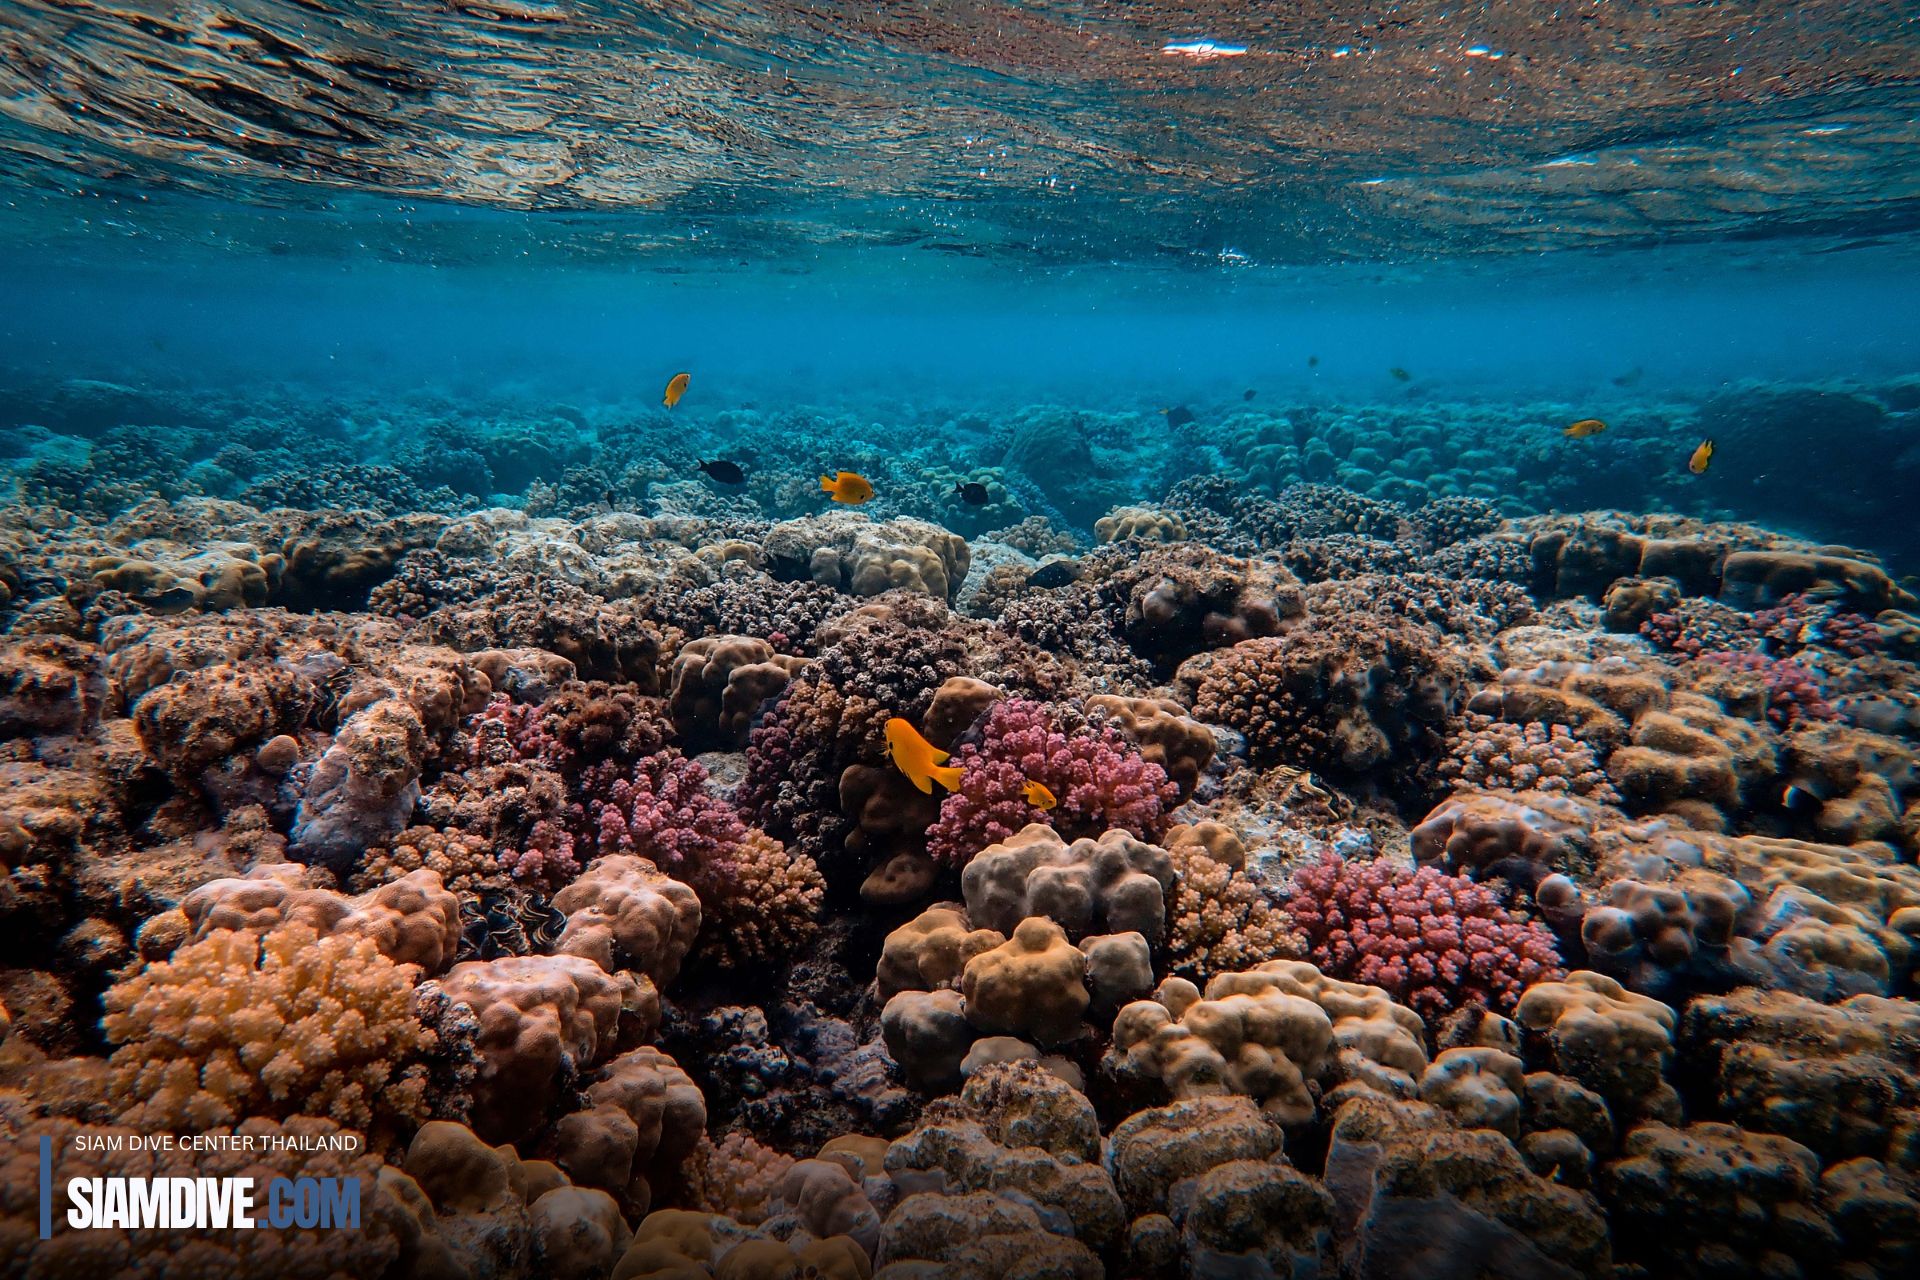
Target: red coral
x,y
1793,691
663,811
1096,776
1433,941
1800,621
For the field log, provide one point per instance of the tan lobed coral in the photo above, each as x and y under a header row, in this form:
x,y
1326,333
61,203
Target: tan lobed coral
x,y
1165,733
643,1116
931,951
1843,1080
1281,1033
544,1020
1015,1127
235,1026
851,553
1139,524
1614,1042
412,919
1032,985
1750,1201
1401,1171
1115,884
623,914
720,683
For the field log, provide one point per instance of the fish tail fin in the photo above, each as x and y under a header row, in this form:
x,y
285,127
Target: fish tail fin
x,y
948,777
826,484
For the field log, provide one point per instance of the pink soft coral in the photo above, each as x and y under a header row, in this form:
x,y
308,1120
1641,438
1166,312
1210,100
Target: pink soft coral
x,y
1435,941
663,811
1096,776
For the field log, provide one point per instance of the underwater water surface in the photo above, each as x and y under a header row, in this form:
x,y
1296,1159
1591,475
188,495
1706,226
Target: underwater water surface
x,y
980,640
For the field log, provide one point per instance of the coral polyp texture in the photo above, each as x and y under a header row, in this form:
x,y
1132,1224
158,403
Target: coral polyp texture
x,y
1329,863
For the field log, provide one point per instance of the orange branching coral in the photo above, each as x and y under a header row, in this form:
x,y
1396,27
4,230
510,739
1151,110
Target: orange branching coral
x,y
236,1026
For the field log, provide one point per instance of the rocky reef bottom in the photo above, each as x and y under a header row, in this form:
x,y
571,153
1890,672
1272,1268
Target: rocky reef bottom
x,y
1420,888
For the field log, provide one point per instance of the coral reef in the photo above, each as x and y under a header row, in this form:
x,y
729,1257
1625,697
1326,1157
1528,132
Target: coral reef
x,y
1362,857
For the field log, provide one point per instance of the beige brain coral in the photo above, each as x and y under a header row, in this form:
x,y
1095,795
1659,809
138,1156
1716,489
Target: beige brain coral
x,y
1166,734
1844,1079
543,1021
623,914
203,716
931,951
1116,884
1750,1202
644,1116
848,552
412,919
1033,985
287,1024
1612,1041
1280,1033
999,1135
719,684
1139,524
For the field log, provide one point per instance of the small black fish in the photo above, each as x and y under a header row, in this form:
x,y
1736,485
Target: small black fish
x,y
1058,574
1248,394
1630,378
973,493
724,472
1400,375
1178,416
1313,362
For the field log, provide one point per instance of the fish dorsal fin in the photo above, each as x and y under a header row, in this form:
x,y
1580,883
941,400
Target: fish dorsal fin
x,y
937,755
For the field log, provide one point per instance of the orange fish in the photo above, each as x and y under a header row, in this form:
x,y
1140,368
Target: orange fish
x,y
676,387
1702,458
1585,427
1038,796
919,759
847,487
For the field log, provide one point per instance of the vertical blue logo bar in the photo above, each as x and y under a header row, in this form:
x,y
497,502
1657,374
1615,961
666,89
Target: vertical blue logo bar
x,y
46,1187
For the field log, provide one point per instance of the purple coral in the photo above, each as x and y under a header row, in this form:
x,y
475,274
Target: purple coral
x,y
663,811
1434,941
1096,776
1793,691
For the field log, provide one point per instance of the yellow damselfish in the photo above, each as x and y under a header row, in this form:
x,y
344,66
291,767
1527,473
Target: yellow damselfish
x,y
919,759
1038,796
1585,427
847,487
1701,459
676,387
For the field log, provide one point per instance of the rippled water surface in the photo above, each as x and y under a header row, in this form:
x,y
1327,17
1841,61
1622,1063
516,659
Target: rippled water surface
x,y
1068,133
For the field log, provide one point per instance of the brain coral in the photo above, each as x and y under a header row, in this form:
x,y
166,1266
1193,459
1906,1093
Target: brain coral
x,y
1432,940
1281,1033
235,1026
1115,884
1098,780
623,914
413,919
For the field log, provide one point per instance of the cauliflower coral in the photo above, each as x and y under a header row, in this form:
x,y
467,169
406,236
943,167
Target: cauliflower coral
x,y
1097,777
1434,941
237,1026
